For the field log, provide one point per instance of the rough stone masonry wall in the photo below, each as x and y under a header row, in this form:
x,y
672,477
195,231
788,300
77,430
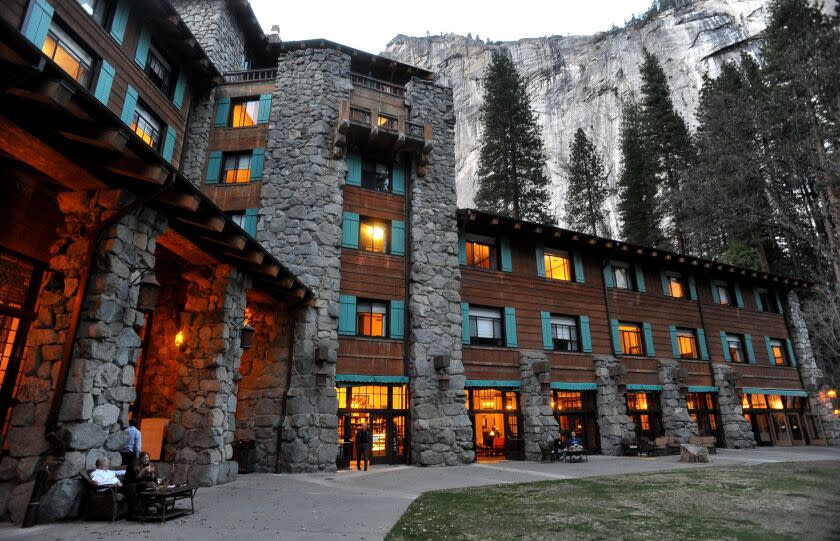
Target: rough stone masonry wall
x,y
197,136
614,425
441,431
301,205
809,372
539,426
737,431
675,417
215,27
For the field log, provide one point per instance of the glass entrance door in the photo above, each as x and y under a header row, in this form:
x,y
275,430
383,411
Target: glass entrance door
x,y
382,409
495,417
797,431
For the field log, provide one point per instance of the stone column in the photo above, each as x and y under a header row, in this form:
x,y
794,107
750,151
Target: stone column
x,y
614,425
201,430
737,432
675,417
197,136
539,426
301,206
215,26
441,431
809,372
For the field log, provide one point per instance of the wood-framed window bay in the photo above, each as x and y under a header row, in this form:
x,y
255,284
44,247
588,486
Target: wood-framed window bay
x,y
486,326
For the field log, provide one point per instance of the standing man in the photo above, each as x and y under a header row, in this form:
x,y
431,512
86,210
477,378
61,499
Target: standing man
x,y
134,445
362,445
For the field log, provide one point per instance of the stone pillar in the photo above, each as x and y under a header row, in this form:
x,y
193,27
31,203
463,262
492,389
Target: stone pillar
x,y
215,27
441,431
809,372
301,205
675,417
539,426
614,425
197,136
201,430
737,432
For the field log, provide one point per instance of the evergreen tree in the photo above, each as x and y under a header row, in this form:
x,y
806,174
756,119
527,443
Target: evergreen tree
x,y
587,192
511,167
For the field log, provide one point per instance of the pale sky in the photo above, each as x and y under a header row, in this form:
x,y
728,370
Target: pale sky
x,y
370,24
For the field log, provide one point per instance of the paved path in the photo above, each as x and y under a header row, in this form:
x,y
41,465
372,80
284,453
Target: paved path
x,y
351,505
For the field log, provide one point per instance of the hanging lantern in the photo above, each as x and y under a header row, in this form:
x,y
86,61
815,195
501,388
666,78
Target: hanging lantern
x,y
149,293
180,343
246,337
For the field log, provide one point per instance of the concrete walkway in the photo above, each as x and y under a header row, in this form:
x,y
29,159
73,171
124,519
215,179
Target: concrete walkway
x,y
363,505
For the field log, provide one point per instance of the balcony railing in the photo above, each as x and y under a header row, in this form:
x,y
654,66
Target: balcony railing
x,y
251,76
414,129
376,84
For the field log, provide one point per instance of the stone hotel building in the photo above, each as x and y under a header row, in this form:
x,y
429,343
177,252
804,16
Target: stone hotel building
x,y
252,246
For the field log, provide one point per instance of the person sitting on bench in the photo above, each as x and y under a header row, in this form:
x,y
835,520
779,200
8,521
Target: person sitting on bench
x,y
103,476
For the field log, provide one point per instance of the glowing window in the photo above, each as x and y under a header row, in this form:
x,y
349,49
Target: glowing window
x,y
487,399
631,339
736,348
676,288
687,342
558,265
372,236
637,401
369,397
398,400
775,402
480,255
372,318
386,121
68,54
341,393
236,168
244,113
778,351
146,126
568,401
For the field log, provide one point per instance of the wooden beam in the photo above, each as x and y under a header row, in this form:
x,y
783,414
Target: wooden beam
x,y
557,234
517,225
592,242
299,292
625,248
287,283
236,242
138,170
575,236
493,221
213,223
640,251
271,269
183,201
311,301
538,230
251,256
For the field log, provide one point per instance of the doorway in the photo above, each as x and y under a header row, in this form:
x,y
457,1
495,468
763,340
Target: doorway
x,y
495,417
383,408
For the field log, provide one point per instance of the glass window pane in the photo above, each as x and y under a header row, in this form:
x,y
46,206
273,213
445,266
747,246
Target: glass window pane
x,y
622,278
558,266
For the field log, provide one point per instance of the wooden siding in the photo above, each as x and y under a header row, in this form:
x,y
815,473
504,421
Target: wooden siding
x,y
371,356
234,197
372,276
373,203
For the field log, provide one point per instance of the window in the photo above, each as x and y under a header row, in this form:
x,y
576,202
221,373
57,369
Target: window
x,y
238,218
766,303
158,71
723,293
564,334
386,121
236,168
371,318
777,349
147,126
687,342
481,253
244,113
630,336
373,236
558,265
676,286
622,278
69,55
376,176
100,10
735,344
486,326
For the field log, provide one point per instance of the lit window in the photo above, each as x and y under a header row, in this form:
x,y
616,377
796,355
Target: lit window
x,y
158,70
778,351
558,265
631,339
736,348
236,168
372,318
687,342
564,333
745,402
372,236
146,126
68,54
386,121
480,254
622,277
723,294
485,326
775,402
637,401
376,176
676,288
244,113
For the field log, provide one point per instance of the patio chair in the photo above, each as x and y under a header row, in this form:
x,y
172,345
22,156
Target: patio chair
x,y
102,503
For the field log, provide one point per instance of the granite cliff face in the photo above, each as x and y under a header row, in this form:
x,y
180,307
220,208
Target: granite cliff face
x,y
584,81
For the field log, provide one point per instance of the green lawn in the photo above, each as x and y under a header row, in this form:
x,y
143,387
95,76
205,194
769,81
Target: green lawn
x,y
769,501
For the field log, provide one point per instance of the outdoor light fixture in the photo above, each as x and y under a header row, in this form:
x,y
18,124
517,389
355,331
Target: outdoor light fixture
x,y
246,336
180,343
832,393
148,294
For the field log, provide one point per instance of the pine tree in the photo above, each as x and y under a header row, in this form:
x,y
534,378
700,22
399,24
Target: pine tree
x,y
511,167
587,192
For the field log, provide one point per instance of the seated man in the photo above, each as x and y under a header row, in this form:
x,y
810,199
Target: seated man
x,y
103,476
574,443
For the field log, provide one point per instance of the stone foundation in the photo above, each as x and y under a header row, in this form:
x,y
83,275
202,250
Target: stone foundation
x,y
614,425
675,417
737,432
539,426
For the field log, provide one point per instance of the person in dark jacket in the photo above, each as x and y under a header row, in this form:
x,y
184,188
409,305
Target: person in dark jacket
x,y
363,445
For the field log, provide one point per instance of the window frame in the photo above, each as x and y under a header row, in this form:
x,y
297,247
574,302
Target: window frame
x,y
373,223
389,178
630,279
741,349
166,85
73,48
774,342
498,322
569,266
238,155
246,101
139,111
385,317
680,279
389,120
492,255
641,340
683,332
727,289
102,13
768,302
575,339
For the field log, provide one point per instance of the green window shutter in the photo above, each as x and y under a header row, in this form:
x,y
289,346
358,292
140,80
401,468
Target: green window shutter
x,y
585,334
545,321
539,253
249,224
715,294
37,22
398,179
120,19
347,315
640,278
779,302
578,260
168,144
739,299
725,345
397,318
701,343
257,162
749,346
758,305
350,230
264,110
398,237
462,250
675,343
507,265
769,347
180,90
222,112
609,278
104,82
692,287
616,337
465,323
791,353
141,53
354,170
214,167
129,104
648,331
665,289
510,327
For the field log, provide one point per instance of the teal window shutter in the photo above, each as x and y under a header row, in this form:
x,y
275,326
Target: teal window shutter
x,y
180,90
701,343
578,261
465,323
354,170
398,179
507,265
222,112
749,346
791,353
725,345
510,327
347,315
758,305
214,167
769,347
675,342
539,253
129,104
692,287
585,334
545,322
779,302
249,224
715,294
640,278
257,162
648,331
37,22
168,144
350,230
609,278
616,337
141,53
462,250
739,299
666,289
397,318
119,21
398,237
264,110
104,82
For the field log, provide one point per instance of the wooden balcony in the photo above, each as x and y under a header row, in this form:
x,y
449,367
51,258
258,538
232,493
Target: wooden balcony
x,y
386,129
377,85
251,76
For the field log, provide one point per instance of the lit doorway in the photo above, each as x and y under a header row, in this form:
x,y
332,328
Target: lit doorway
x,y
384,409
496,424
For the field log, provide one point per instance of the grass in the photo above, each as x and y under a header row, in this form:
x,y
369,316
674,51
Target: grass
x,y
764,502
